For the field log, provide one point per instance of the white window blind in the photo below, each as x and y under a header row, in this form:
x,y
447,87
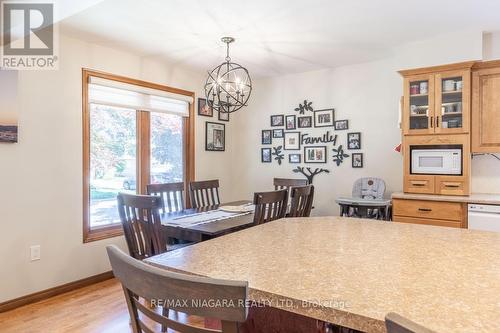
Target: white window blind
x,y
114,93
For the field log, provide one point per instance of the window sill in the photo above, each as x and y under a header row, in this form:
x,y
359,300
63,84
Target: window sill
x,y
102,233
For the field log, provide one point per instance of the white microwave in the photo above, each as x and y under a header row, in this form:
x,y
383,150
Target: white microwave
x,y
436,160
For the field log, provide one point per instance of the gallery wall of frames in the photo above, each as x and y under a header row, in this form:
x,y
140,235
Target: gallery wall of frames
x,y
311,140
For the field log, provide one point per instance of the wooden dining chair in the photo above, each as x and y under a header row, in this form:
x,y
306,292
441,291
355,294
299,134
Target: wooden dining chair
x,y
398,324
224,300
204,193
140,217
172,195
286,183
301,201
270,206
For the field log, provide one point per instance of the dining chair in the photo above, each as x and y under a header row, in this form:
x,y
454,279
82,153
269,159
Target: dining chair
x,y
140,217
224,300
204,193
172,195
286,183
301,201
270,206
398,324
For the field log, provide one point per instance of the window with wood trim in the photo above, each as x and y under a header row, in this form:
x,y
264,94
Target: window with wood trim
x,y
134,133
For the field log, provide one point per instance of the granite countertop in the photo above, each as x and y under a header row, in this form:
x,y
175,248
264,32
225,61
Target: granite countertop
x,y
359,270
477,198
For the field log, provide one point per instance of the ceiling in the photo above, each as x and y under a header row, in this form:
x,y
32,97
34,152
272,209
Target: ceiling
x,y
274,37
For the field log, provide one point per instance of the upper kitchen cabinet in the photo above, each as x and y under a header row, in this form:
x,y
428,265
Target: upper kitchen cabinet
x,y
437,100
486,107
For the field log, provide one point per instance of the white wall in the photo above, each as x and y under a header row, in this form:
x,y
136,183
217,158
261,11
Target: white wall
x,y
41,176
368,96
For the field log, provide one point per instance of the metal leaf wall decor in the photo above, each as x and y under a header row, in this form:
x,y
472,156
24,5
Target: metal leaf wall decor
x,y
307,106
339,155
278,154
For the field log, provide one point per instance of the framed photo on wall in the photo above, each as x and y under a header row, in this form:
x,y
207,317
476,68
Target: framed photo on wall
x,y
292,141
204,109
265,155
266,137
223,116
305,122
215,136
278,133
323,118
357,160
315,154
290,122
354,140
341,125
277,120
294,158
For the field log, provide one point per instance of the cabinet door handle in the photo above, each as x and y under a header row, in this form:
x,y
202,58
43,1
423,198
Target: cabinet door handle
x,y
451,185
425,209
418,184
437,121
432,122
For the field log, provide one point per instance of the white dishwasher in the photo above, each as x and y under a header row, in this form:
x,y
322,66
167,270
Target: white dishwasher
x,y
484,217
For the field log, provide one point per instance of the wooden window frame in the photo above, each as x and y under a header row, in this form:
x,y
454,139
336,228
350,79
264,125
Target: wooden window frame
x,y
143,148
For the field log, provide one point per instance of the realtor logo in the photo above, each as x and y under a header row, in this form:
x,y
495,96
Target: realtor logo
x,y
28,35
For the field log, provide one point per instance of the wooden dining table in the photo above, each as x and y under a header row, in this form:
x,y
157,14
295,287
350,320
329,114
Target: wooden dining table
x,y
207,230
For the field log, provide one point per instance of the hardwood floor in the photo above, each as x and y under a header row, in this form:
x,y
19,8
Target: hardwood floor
x,y
98,308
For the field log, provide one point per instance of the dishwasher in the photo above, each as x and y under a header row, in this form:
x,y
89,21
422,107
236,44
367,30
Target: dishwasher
x,y
484,217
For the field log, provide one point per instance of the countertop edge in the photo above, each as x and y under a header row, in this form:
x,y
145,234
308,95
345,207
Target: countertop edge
x,y
475,198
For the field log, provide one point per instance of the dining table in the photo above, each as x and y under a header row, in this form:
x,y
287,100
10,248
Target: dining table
x,y
352,272
200,224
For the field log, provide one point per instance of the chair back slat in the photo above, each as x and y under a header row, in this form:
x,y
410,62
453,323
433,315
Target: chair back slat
x,y
171,194
286,183
211,298
269,206
141,223
204,193
301,201
398,324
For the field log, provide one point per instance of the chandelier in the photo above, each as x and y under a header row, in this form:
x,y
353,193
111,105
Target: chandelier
x,y
228,85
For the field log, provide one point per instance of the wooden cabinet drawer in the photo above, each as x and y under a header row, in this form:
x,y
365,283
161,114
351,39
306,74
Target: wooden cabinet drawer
x,y
419,184
428,209
415,220
450,187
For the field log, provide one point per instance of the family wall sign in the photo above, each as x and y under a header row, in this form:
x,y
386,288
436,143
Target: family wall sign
x,y
297,135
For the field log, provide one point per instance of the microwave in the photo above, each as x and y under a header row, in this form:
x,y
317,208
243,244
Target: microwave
x,y
436,160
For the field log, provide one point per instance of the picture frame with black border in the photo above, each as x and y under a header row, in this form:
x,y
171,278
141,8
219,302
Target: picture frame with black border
x,y
223,116
315,154
278,133
266,137
265,155
304,122
294,158
277,120
215,136
203,108
291,122
354,140
291,141
357,160
341,125
324,118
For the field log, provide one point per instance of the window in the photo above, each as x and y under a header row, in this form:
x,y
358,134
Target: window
x,y
134,133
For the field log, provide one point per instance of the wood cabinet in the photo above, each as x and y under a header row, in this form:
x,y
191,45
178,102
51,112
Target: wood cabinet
x,y
436,100
437,184
486,107
439,213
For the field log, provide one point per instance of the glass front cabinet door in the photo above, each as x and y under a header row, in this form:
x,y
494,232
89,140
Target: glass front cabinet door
x,y
452,102
418,113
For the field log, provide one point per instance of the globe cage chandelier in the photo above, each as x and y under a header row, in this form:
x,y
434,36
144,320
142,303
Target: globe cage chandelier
x,y
228,86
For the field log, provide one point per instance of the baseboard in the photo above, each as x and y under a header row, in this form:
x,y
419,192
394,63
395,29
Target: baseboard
x,y
44,294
